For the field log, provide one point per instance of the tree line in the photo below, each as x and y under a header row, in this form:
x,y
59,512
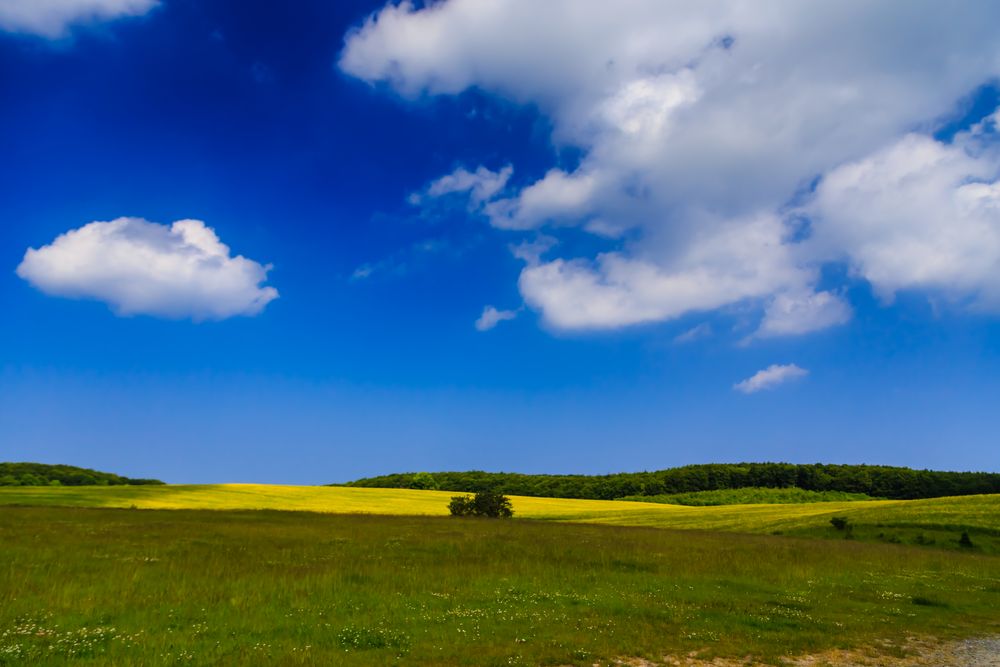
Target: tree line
x,y
43,474
878,481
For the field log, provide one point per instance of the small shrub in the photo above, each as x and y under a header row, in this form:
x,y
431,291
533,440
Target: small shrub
x,y
965,541
927,602
840,522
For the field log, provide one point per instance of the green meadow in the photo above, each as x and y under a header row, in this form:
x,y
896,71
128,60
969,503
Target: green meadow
x,y
114,586
358,576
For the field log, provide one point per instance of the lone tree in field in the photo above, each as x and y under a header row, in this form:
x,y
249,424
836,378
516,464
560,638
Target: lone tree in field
x,y
492,504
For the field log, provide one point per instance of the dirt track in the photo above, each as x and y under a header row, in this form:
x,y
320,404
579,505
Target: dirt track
x,y
983,652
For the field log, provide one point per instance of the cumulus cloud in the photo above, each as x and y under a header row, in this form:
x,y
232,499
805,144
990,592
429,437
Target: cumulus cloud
x,y
180,270
770,377
701,126
492,317
53,18
919,214
741,261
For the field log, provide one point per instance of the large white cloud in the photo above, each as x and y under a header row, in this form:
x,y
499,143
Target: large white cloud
x,y
53,18
180,270
919,215
702,126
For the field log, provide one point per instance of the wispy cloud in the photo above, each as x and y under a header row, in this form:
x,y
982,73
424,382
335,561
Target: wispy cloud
x,y
403,260
477,186
492,317
770,377
703,330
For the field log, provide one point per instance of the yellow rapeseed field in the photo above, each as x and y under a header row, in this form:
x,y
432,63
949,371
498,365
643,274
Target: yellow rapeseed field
x,y
972,511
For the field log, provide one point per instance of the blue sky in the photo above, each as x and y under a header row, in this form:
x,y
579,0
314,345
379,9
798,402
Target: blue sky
x,y
698,251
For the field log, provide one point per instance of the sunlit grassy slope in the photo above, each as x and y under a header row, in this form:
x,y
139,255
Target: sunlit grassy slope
x,y
938,517
118,587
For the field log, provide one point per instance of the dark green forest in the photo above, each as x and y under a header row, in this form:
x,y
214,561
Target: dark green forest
x,y
878,481
43,474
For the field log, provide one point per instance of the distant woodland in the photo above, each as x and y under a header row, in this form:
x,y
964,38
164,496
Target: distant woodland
x,y
876,481
43,474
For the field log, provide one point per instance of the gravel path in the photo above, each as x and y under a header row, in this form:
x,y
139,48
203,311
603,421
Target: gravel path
x,y
968,653
982,652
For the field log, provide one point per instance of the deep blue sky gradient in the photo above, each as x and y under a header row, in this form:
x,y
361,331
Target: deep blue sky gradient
x,y
196,111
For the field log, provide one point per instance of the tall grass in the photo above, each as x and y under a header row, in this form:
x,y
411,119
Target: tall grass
x,y
114,587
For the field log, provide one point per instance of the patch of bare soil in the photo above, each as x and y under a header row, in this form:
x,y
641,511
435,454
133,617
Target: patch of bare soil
x,y
916,652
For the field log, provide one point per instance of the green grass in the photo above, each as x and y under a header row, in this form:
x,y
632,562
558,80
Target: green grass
x,y
749,496
936,522
262,587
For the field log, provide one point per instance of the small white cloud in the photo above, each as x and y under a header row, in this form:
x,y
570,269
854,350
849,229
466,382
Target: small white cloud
x,y
531,252
180,270
53,18
770,377
703,330
362,272
492,317
480,186
790,314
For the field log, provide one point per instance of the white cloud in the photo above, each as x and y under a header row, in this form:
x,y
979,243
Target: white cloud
x,y
918,215
362,272
531,251
697,332
742,261
492,317
558,197
180,270
53,18
479,185
798,313
699,125
770,377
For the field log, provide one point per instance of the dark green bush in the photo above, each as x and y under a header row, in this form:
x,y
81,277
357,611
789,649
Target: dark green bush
x,y
461,505
840,522
490,504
